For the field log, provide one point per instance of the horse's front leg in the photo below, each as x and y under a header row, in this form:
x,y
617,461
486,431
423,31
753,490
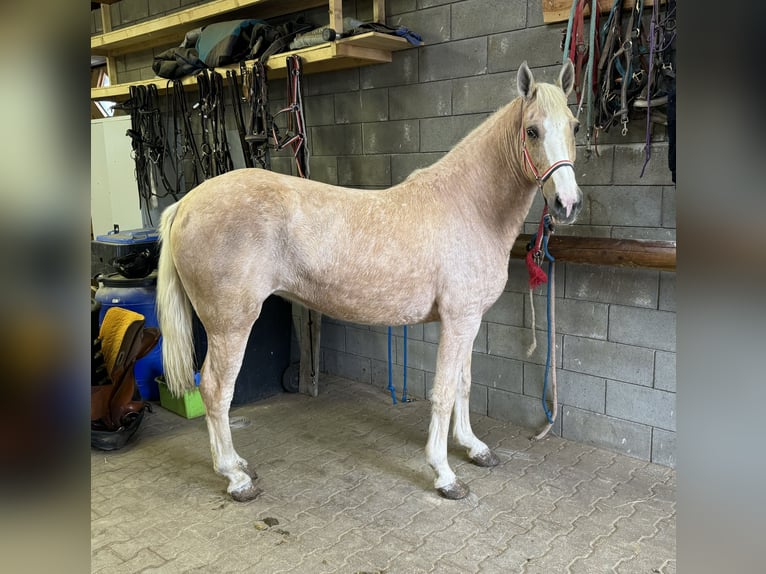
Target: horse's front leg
x,y
218,377
453,347
478,451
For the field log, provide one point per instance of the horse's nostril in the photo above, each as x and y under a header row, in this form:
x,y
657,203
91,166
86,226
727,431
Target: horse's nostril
x,y
559,205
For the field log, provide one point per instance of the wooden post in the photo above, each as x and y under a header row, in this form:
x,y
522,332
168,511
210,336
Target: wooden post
x,y
309,340
379,11
106,26
336,15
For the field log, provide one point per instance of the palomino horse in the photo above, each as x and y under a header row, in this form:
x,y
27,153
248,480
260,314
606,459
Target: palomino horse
x,y
434,247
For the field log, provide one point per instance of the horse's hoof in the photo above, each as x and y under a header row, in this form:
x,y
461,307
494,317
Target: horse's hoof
x,y
246,494
454,491
487,458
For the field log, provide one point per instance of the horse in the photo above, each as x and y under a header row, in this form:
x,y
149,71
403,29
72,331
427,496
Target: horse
x,y
434,247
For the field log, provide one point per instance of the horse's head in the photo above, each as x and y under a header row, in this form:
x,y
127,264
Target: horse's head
x,y
548,131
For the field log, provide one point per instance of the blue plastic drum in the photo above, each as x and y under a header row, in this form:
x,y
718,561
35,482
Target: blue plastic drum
x,y
140,296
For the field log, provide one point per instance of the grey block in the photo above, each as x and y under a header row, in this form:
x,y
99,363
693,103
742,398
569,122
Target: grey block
x,y
333,336
361,106
664,447
480,343
508,309
669,207
138,60
632,287
158,7
607,432
634,205
421,355
402,70
497,372
336,140
667,291
421,100
520,410
484,17
441,134
324,168
643,327
433,24
319,110
594,169
573,389
639,404
402,165
572,316
349,366
367,343
486,93
609,360
537,46
132,11
513,342
628,160
665,371
416,382
399,6
365,170
479,401
391,137
453,60
332,82
285,165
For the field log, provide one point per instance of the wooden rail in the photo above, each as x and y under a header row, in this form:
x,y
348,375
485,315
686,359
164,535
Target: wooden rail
x,y
606,251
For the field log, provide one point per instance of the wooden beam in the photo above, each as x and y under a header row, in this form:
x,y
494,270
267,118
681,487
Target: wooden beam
x,y
606,251
379,11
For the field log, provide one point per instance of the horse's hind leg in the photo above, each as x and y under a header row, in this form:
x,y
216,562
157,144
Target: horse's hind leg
x,y
225,352
478,452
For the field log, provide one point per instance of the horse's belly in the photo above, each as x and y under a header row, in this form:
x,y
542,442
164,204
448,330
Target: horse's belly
x,y
382,304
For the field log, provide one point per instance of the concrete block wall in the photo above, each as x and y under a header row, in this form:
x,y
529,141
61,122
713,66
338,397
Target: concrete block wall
x,y
370,127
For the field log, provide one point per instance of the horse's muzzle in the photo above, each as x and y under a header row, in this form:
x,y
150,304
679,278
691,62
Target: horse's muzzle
x,y
565,214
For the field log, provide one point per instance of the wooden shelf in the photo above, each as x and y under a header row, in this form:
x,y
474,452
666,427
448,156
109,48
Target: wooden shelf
x,y
172,28
355,51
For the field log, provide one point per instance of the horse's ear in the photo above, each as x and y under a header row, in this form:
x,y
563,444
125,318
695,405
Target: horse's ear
x,y
567,77
525,83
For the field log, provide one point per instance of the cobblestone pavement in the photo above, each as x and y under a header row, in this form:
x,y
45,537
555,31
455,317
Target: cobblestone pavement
x,y
347,489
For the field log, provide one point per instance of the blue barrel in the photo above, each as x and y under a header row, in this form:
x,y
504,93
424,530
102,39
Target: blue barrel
x,y
140,296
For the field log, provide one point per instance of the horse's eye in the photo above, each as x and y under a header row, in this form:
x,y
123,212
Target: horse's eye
x,y
532,133
577,128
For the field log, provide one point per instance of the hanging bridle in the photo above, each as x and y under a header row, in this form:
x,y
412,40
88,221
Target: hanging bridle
x,y
540,178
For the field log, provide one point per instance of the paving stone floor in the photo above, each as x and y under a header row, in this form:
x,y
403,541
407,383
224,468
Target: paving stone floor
x,y
347,490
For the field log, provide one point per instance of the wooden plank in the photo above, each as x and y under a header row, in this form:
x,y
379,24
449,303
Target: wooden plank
x,y
606,251
558,10
309,341
335,21
379,11
378,41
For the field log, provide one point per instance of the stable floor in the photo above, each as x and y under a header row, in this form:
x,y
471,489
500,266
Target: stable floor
x,y
347,489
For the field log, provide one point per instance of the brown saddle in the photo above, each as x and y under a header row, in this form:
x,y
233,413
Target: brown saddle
x,y
124,340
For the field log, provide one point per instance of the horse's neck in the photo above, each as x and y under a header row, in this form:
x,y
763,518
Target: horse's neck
x,y
484,178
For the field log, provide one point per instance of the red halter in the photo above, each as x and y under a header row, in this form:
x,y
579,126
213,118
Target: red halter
x,y
541,179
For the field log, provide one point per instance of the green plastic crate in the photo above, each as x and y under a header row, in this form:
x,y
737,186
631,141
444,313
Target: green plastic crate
x,y
189,406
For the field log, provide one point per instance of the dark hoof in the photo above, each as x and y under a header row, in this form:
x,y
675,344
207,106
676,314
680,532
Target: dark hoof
x,y
454,491
246,494
487,458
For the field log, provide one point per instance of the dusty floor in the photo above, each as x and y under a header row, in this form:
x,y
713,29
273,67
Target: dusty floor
x,y
347,489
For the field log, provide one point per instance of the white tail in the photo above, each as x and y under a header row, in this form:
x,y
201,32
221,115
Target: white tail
x,y
174,313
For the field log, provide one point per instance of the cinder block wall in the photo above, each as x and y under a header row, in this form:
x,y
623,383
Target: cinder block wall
x,y
615,345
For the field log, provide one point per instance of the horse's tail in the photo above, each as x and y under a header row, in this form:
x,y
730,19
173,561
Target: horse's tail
x,y
174,313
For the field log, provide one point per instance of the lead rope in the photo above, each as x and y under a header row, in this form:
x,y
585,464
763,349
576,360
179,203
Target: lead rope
x,y
538,249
